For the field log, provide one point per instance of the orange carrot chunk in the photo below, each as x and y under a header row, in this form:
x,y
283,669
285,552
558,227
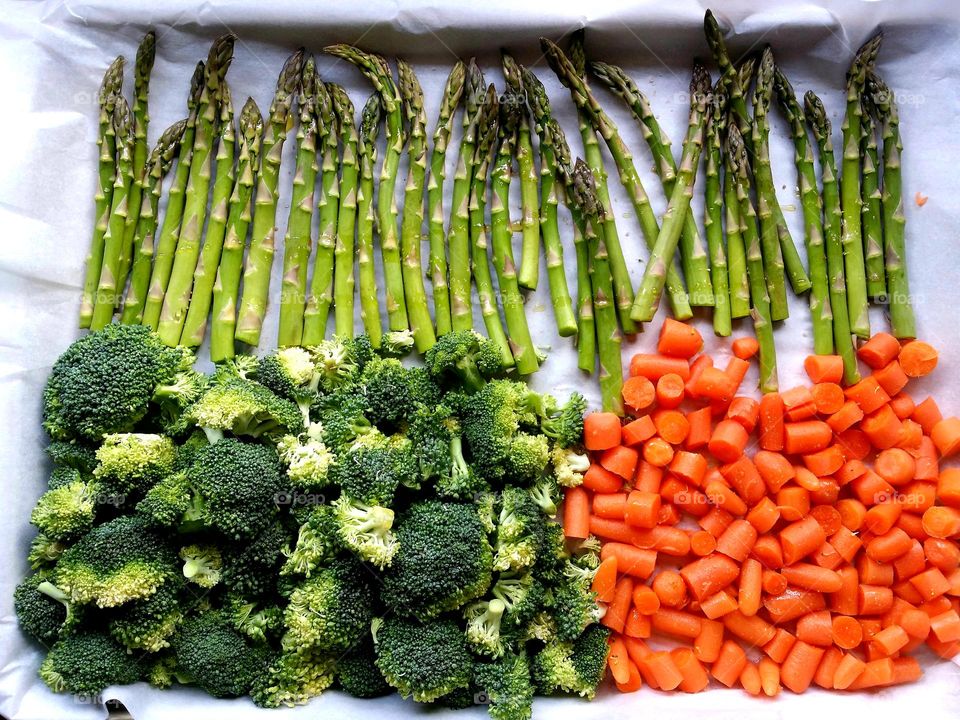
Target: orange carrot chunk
x,y
769,676
709,575
637,431
729,664
946,436
927,414
653,367
638,393
728,441
601,480
601,430
800,665
848,670
808,436
745,347
846,632
630,560
665,670
824,368
879,350
576,513
620,460
918,358
771,422
677,339
695,676
605,579
800,539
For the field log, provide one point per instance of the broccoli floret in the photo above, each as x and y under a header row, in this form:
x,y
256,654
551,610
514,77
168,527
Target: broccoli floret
x,y
317,543
188,449
306,458
552,553
161,670
396,343
243,407
336,362
462,482
505,684
569,466
201,564
61,476
518,530
216,657
45,551
431,429
67,512
169,502
527,458
331,610
148,624
119,561
241,366
291,374
104,381
366,530
131,462
564,424
374,466
293,678
483,626
258,621
572,601
237,483
546,494
174,398
251,568
426,661
463,359
444,560
342,419
575,666
358,673
72,454
394,392
361,350
85,663
41,608
522,595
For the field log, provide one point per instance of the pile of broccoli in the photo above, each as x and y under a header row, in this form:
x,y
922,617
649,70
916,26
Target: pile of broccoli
x,y
322,517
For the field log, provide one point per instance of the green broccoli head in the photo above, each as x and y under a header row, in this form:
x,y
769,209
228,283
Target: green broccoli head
x,y
306,458
122,560
523,596
293,678
85,663
564,425
338,362
66,512
575,666
148,624
216,657
358,673
169,502
317,543
463,359
342,419
129,462
426,661
484,619
569,466
261,622
396,343
40,614
546,494
527,457
45,551
104,381
243,407
505,684
444,560
431,430
61,475
291,374
519,530
251,568
394,392
202,564
366,530
572,601
175,397
72,454
374,466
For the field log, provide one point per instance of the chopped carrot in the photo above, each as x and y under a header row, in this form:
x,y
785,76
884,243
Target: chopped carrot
x,y
889,640
773,582
698,434
918,358
827,669
653,367
846,417
617,660
728,440
638,393
744,410
696,367
702,543
729,663
609,505
946,436
824,368
630,560
889,546
868,394
769,672
752,629
634,680
618,606
670,589
677,339
800,539
715,384
779,647
895,465
798,403
816,628
638,431
946,626
641,509
767,550
745,347
930,584
601,480
927,414
601,430
807,436
620,460
670,390
576,513
771,422
812,577
716,521
750,679
672,425
709,575
657,452
689,466
903,405
847,671
694,675
891,378
737,540
800,665
874,599
846,632
764,515
774,468
828,397
665,670
883,428
879,350
828,516
719,604
825,462
605,579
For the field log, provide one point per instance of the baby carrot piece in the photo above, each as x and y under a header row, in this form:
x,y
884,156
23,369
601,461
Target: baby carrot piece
x,y
930,584
808,436
576,513
824,368
917,358
774,468
729,664
630,560
846,632
728,441
846,417
828,397
699,422
638,431
751,587
868,394
675,622
638,393
800,665
745,347
771,422
903,406
825,462
884,428
620,460
751,629
778,648
670,391
737,540
671,425
798,403
678,339
658,452
634,680
605,579
645,599
618,661
892,378
773,582
695,676
889,640
827,668
769,676
618,606
750,679
609,505
946,436
702,543
653,367
709,575
801,538
642,509
768,551
744,410
665,670
927,414
706,646
601,480
764,515
743,475
601,430
879,350
696,367
670,589
812,577
873,599
876,673
816,628
715,384
848,670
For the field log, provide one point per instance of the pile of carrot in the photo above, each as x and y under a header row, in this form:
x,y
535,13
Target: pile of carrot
x,y
806,538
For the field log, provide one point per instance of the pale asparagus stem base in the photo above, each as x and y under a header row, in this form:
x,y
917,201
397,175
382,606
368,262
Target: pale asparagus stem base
x,y
366,273
842,336
736,252
343,273
872,211
713,216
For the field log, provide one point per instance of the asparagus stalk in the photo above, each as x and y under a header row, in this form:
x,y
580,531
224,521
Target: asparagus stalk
x,y
850,198
106,172
736,250
737,164
458,237
622,284
343,277
602,124
176,196
486,133
820,306
195,325
146,54
226,289
713,211
376,70
693,256
734,81
521,344
842,335
872,211
902,320
655,274
586,325
529,273
256,272
158,164
109,286
366,273
177,298
550,193
298,239
608,332
452,93
320,297
411,226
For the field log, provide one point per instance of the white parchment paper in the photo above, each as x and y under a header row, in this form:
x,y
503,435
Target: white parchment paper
x,y
52,57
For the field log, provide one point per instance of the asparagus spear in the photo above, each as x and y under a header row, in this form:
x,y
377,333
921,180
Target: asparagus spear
x,y
411,227
376,70
226,289
608,332
602,123
550,194
842,336
759,298
195,324
654,275
106,172
820,307
158,164
176,196
142,68
366,273
521,343
347,216
902,321
452,93
736,251
693,256
177,298
586,324
713,211
850,199
109,285
298,239
486,133
458,237
320,297
870,218
256,272
529,273
734,82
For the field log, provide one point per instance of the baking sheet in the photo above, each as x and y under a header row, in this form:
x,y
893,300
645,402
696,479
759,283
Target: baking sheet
x,y
52,57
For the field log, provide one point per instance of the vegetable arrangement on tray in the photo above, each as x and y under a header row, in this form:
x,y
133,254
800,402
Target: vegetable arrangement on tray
x,y
325,515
